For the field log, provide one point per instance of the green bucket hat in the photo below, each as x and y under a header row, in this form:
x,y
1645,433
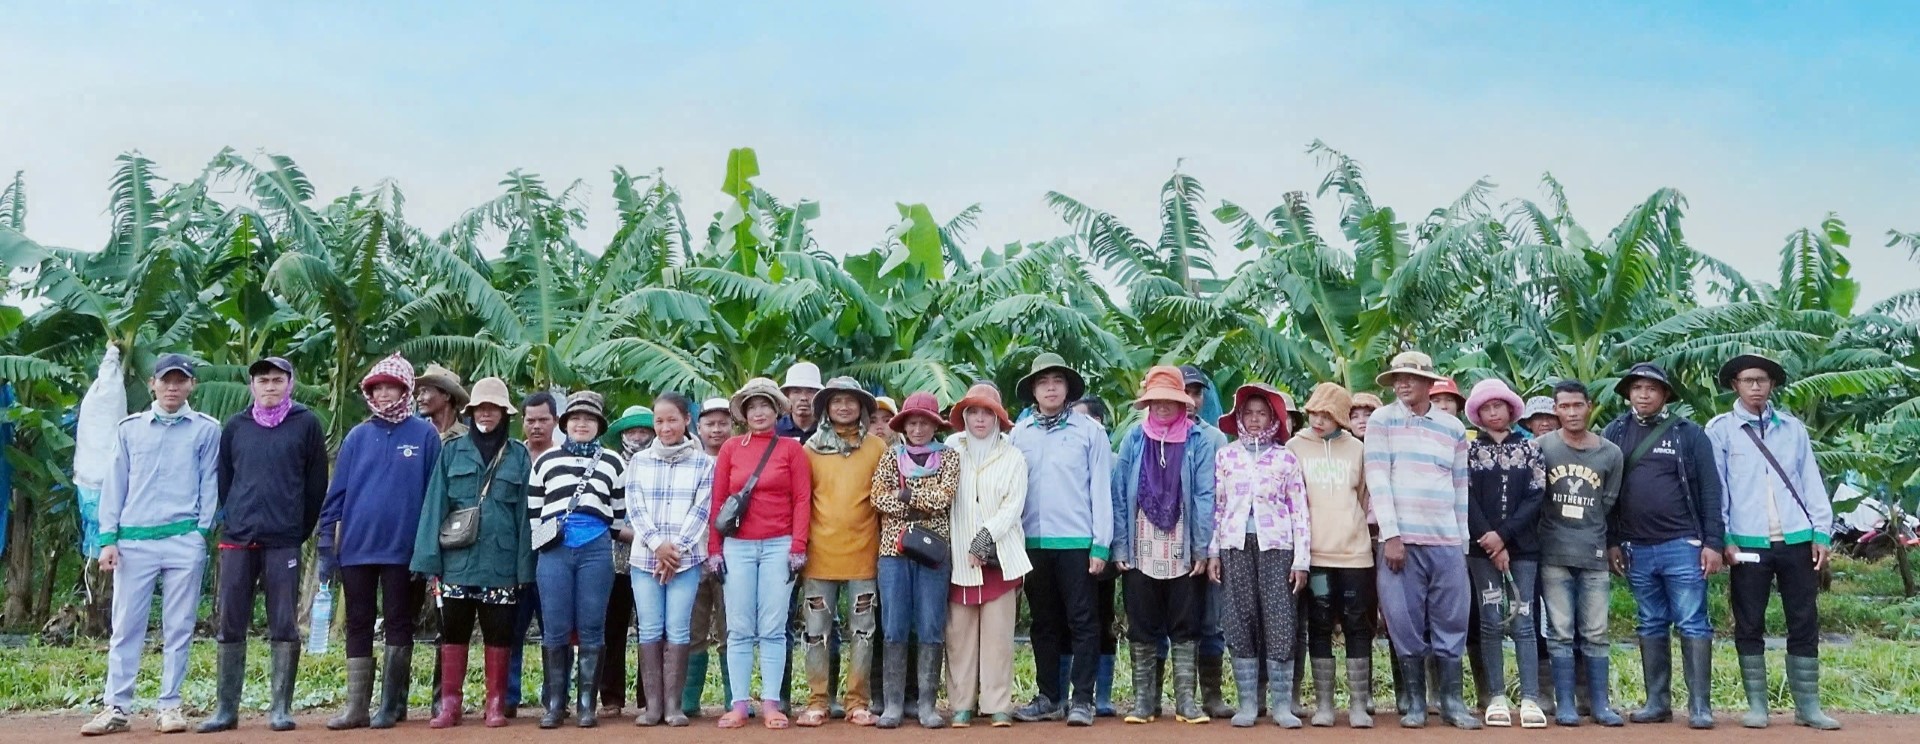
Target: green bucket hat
x,y
632,418
1051,362
839,385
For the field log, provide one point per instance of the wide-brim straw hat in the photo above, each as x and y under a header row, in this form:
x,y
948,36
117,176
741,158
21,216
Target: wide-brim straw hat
x,y
1488,391
443,379
981,395
1229,422
1050,362
491,390
758,387
1409,363
844,386
917,404
1163,384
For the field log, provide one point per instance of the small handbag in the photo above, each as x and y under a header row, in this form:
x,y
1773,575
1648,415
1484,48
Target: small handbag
x,y
923,547
461,527
733,510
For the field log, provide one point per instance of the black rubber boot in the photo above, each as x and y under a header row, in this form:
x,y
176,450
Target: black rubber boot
x,y
1656,663
230,669
1146,684
396,679
1803,680
1185,684
1453,705
587,684
1212,698
286,669
1413,674
1696,663
929,688
1600,692
359,694
893,685
556,666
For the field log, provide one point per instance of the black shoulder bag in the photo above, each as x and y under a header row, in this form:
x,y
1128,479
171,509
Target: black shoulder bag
x,y
733,511
1781,471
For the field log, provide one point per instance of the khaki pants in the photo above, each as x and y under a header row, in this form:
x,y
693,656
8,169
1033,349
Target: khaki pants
x,y
980,654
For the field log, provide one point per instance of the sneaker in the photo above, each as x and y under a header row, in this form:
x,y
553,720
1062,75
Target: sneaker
x,y
171,722
1080,714
110,721
1002,720
1041,709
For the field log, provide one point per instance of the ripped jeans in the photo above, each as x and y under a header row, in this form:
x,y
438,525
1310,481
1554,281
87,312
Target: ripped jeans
x,y
1493,596
820,601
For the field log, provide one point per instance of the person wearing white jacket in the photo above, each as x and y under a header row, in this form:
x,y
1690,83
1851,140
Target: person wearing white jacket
x,y
989,558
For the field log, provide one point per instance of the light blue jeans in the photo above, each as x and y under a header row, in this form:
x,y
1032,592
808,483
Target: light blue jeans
x,y
1576,610
665,610
759,589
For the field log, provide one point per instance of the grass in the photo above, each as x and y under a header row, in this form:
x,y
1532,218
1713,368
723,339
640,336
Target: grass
x,y
1876,671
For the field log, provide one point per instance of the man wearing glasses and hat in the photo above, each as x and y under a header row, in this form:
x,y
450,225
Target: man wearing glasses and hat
x,y
1779,528
156,509
1666,539
273,481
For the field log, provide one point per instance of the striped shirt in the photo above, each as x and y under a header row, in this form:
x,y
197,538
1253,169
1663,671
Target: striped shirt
x,y
1417,475
603,490
669,505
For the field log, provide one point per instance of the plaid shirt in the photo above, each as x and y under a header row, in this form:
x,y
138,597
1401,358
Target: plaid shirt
x,y
667,502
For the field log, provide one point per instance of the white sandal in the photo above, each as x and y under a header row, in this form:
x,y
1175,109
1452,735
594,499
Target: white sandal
x,y
1531,717
1498,713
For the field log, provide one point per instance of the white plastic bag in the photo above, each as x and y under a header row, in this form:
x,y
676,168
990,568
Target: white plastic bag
x,y
101,410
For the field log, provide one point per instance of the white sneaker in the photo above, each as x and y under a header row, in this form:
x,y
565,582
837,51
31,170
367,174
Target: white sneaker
x,y
110,721
171,722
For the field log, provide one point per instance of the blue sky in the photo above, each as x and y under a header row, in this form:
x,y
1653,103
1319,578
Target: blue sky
x,y
1766,115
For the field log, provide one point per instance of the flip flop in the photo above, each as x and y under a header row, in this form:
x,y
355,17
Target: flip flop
x,y
809,718
862,717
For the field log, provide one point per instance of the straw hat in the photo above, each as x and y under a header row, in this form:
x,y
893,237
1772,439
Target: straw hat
x,y
1409,363
443,379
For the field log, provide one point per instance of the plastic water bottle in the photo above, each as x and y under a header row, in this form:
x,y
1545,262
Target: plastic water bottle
x,y
321,620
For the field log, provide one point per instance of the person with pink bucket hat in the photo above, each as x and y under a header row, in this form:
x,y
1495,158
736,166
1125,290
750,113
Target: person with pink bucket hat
x,y
1506,483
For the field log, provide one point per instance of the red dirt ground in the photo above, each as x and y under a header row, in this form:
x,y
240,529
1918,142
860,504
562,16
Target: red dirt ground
x,y
34,729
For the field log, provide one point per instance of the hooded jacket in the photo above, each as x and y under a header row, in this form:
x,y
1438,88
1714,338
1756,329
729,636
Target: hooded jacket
x,y
1699,476
273,482
1337,500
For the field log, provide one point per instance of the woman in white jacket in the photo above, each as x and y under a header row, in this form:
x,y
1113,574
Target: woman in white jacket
x,y
989,559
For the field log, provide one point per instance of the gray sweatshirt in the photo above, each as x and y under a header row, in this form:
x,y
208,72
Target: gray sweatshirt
x,y
1582,486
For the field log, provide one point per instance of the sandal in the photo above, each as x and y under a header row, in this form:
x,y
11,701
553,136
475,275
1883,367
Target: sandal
x,y
963,719
1498,714
733,719
772,718
862,717
1531,717
810,718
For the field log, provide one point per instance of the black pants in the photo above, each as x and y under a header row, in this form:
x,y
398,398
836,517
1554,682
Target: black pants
x,y
1348,598
1163,609
1791,568
393,585
242,570
613,664
1060,599
1106,590
496,622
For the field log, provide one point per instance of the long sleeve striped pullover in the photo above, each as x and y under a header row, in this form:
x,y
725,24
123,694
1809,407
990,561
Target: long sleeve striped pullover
x,y
1417,475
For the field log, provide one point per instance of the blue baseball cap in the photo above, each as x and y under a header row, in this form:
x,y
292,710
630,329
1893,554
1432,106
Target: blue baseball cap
x,y
173,363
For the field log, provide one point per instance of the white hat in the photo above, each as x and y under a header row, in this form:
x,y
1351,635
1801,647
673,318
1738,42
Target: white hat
x,y
803,375
714,405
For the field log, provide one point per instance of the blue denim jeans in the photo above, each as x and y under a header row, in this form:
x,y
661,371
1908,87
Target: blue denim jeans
x,y
665,610
1669,589
574,586
913,601
1576,610
1497,597
758,592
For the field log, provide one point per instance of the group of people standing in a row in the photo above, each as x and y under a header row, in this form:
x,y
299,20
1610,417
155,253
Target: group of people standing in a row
x,y
1218,530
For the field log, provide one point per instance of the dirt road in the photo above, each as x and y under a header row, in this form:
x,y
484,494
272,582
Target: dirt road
x,y
1878,729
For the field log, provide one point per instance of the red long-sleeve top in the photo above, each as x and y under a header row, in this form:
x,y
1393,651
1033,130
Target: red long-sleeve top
x,y
782,501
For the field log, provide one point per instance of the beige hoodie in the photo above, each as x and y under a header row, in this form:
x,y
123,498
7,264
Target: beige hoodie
x,y
1336,498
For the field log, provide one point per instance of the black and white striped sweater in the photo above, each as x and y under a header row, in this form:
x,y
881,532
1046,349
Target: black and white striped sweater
x,y
603,491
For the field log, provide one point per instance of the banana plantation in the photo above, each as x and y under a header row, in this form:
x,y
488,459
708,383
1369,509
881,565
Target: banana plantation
x,y
239,259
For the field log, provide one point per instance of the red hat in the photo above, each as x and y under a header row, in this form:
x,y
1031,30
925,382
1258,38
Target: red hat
x,y
981,395
1446,386
917,404
1229,423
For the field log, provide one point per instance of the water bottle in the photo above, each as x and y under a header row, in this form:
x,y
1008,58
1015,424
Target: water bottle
x,y
321,620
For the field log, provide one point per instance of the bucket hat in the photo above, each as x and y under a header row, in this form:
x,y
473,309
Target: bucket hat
x,y
1539,405
917,404
1409,363
1487,391
1229,422
803,375
1050,362
842,386
1446,386
981,395
1163,384
1745,362
1367,400
758,387
635,417
443,379
491,390
586,403
1644,371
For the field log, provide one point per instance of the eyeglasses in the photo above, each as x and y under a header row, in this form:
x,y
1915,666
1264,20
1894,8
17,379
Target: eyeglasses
x,y
1751,381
